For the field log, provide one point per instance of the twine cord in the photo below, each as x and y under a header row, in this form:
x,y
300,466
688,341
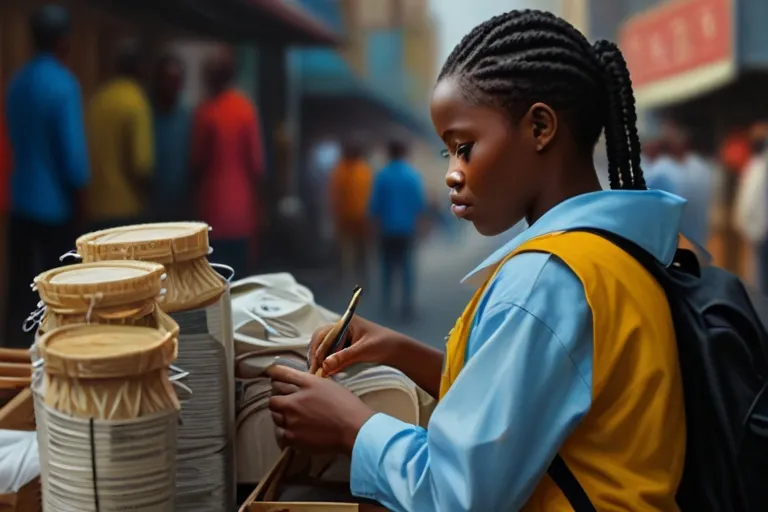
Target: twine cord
x,y
70,254
93,467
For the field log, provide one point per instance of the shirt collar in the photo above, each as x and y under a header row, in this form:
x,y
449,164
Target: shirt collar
x,y
649,218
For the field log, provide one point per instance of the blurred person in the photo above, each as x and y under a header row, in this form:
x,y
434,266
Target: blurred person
x,y
735,153
172,129
349,195
751,207
569,365
324,158
121,145
679,170
398,205
44,116
227,162
653,149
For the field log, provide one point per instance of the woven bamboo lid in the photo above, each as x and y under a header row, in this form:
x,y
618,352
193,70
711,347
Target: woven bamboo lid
x,y
106,351
162,242
102,284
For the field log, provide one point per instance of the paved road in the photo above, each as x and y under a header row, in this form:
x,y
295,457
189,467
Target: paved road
x,y
442,262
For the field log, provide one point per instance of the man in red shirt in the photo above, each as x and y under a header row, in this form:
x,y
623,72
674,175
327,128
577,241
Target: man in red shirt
x,y
227,163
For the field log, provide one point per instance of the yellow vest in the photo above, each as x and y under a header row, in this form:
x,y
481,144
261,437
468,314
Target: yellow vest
x,y
629,450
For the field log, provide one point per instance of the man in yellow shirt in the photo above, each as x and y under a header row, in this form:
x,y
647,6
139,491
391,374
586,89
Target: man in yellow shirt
x,y
121,145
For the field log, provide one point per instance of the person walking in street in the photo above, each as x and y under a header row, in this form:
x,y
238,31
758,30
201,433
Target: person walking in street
x,y
734,153
121,145
349,195
228,164
751,205
44,115
679,170
398,206
172,130
567,351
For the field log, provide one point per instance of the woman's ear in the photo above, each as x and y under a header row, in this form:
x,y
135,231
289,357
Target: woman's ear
x,y
541,122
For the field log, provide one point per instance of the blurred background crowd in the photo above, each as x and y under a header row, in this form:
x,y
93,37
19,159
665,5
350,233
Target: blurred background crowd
x,y
299,130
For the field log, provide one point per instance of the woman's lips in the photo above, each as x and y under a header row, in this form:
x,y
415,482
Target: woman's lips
x,y
462,211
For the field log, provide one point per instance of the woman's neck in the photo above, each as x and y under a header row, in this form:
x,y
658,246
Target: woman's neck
x,y
572,182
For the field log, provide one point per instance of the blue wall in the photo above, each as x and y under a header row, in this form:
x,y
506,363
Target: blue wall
x,y
385,61
328,11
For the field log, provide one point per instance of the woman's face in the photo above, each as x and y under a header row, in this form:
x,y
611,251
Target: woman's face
x,y
491,171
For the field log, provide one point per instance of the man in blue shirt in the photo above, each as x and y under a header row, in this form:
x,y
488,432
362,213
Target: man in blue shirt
x,y
172,129
50,162
396,206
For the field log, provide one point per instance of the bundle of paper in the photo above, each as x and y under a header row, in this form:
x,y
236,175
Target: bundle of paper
x,y
296,475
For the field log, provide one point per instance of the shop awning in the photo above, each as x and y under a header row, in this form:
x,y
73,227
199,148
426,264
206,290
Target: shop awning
x,y
278,22
343,102
680,50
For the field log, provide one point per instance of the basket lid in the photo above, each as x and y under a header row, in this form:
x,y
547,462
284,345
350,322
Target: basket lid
x,y
165,242
106,351
101,284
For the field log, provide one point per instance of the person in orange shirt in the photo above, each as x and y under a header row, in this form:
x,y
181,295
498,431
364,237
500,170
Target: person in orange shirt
x,y
350,191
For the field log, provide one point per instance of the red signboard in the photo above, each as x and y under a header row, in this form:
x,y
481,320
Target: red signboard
x,y
679,36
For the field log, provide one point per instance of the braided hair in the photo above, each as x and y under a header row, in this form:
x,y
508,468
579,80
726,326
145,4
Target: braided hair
x,y
522,57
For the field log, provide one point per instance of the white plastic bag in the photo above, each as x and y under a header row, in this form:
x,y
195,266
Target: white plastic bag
x,y
19,460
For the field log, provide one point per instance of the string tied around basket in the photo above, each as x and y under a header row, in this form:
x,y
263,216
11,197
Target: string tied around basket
x,y
225,267
176,381
70,254
35,318
94,299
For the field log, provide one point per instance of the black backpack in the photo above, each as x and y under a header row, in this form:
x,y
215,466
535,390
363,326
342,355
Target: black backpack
x,y
723,350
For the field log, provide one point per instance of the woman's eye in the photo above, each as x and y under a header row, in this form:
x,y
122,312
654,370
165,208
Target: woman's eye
x,y
445,153
463,150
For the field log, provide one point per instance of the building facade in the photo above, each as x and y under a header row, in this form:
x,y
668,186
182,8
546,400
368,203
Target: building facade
x,y
701,63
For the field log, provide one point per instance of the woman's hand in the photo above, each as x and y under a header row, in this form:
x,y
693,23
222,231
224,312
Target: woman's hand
x,y
314,414
368,343
371,343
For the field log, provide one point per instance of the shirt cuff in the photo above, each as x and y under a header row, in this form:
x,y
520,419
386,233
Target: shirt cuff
x,y
372,441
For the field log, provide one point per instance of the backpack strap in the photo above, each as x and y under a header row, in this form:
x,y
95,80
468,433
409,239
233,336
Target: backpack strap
x,y
564,478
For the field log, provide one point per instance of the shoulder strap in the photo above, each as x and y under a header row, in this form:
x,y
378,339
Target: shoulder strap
x,y
564,478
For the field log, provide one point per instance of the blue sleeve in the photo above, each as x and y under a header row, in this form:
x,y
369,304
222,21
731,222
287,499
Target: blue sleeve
x,y
375,202
491,438
69,135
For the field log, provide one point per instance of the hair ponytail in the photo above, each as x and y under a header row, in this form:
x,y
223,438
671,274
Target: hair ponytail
x,y
621,137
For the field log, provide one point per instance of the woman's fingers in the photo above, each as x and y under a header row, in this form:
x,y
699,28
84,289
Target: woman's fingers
x,y
279,419
344,358
283,388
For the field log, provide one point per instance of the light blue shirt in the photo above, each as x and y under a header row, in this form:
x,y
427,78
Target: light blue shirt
x,y
397,199
44,112
527,382
692,180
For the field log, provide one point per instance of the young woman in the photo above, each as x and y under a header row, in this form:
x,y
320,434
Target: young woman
x,y
568,346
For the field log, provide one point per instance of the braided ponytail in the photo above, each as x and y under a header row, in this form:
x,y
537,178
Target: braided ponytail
x,y
519,58
622,139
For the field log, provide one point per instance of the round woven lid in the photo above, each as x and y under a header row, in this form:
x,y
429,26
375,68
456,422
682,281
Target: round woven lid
x,y
102,284
162,242
106,351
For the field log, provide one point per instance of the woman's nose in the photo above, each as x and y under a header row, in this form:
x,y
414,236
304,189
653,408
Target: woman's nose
x,y
454,179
